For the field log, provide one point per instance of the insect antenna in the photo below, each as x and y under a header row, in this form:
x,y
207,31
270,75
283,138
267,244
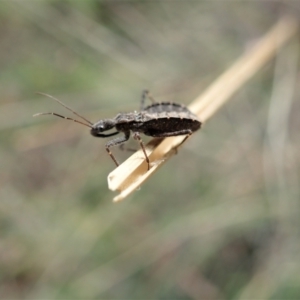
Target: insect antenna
x,y
67,107
63,117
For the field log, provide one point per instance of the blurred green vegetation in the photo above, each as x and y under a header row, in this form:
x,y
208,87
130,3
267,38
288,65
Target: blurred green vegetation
x,y
219,221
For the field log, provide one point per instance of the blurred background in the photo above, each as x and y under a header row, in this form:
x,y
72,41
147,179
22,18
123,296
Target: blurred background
x,y
220,220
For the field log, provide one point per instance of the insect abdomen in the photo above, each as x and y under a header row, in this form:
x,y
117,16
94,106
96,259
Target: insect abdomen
x,y
169,125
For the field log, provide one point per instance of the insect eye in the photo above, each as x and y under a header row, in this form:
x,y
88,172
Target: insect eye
x,y
100,127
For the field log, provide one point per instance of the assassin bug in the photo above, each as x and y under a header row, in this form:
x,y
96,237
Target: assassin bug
x,y
160,119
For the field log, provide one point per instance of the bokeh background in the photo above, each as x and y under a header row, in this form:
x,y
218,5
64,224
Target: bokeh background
x,y
220,220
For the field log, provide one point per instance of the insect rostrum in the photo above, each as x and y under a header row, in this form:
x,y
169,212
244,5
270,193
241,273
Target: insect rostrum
x,y
160,119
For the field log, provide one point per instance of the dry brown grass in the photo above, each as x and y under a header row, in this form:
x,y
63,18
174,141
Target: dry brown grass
x,y
131,174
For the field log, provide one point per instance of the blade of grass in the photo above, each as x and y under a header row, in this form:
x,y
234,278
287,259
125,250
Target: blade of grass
x,y
133,172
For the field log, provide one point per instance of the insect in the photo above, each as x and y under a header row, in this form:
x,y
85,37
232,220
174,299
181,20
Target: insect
x,y
160,119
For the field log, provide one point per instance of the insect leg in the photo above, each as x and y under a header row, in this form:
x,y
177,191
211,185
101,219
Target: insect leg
x,y
172,133
137,136
115,142
146,94
187,132
186,137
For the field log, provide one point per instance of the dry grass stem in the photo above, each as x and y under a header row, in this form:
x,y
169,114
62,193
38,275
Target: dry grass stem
x,y
133,172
